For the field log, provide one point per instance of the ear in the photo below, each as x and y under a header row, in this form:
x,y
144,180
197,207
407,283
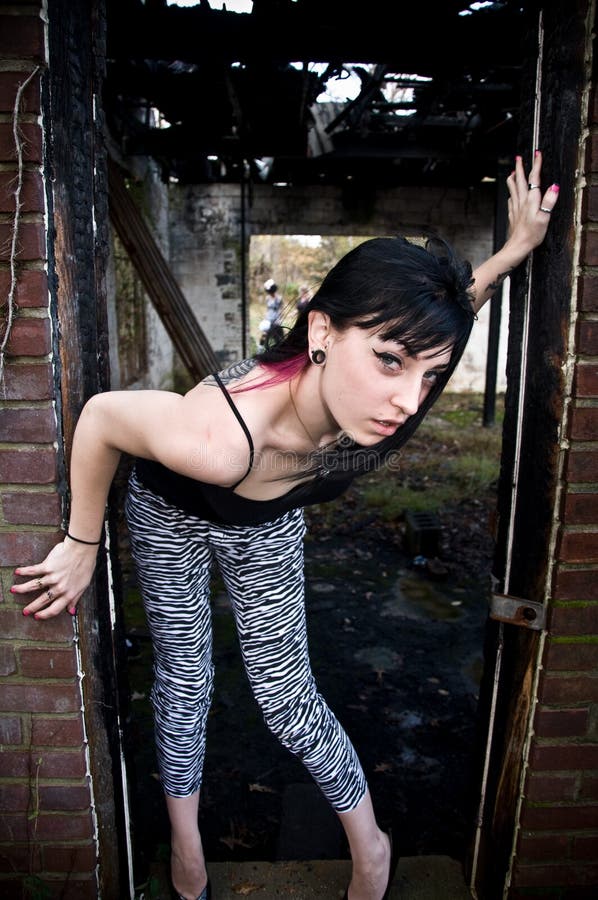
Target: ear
x,y
318,328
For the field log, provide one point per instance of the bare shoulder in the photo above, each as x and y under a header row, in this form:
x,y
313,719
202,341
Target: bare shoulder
x,y
218,448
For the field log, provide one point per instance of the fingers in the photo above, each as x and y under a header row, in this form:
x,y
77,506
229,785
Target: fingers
x,y
549,199
50,601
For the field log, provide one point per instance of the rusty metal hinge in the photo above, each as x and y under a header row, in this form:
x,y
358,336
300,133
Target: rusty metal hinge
x,y
525,613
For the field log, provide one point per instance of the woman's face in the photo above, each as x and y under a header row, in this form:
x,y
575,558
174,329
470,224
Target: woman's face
x,y
371,386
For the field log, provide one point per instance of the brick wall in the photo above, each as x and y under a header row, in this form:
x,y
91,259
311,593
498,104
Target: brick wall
x,y
557,852
46,828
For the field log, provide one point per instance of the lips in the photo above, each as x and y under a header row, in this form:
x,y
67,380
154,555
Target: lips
x,y
385,427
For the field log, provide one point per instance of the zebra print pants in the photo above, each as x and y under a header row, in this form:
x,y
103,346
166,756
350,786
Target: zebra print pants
x,y
262,568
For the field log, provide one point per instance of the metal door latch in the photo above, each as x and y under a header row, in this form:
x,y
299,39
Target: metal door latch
x,y
526,613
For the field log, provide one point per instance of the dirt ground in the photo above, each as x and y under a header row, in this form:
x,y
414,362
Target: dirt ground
x,y
396,645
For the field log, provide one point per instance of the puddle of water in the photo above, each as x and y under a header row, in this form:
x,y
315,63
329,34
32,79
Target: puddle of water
x,y
381,659
417,598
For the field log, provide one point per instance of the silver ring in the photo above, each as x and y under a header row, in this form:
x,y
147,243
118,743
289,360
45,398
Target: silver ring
x,y
533,187
544,209
50,595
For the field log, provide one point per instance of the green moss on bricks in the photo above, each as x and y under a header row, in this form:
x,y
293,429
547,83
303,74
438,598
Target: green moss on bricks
x,y
576,639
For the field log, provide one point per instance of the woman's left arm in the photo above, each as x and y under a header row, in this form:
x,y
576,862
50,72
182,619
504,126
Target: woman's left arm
x,y
529,216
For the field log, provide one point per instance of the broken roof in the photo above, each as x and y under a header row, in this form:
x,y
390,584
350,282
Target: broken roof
x,y
312,92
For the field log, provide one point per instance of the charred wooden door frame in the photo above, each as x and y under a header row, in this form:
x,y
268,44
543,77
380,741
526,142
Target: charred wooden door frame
x,y
77,197
534,407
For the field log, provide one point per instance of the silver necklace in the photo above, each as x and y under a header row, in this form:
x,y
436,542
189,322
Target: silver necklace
x,y
300,420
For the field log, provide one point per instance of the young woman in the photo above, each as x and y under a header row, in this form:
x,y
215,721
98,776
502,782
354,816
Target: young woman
x,y
223,473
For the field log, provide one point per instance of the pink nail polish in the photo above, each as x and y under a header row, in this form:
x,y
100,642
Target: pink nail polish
x,y
72,610
518,157
35,616
536,153
555,187
12,590
25,612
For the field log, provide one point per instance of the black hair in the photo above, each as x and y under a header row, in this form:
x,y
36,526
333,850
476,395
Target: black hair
x,y
417,295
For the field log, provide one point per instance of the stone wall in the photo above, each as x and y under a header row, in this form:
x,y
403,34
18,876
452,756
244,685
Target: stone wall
x,y
206,233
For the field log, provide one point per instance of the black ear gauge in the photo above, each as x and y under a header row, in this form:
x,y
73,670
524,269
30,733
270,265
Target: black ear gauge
x,y
318,356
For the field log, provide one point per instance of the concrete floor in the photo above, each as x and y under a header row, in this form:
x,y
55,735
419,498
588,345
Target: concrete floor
x,y
417,878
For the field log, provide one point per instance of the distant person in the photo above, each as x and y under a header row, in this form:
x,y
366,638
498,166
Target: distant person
x,y
305,296
222,475
273,303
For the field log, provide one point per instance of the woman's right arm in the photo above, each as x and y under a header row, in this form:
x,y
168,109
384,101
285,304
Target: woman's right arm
x,y
152,424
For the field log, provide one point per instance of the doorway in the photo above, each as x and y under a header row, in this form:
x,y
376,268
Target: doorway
x,y
396,614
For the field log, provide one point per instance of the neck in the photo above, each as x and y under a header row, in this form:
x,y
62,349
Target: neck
x,y
311,417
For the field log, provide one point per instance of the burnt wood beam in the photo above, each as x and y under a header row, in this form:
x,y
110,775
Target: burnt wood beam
x,y
158,280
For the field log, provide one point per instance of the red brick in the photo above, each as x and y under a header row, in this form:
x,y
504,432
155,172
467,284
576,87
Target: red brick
x,y
10,83
31,196
584,423
568,689
581,509
31,288
56,732
552,876
576,656
14,796
55,826
52,764
86,889
31,243
581,465
590,203
27,425
22,36
14,625
561,722
74,858
589,248
586,380
30,337
37,662
32,509
62,797
564,757
585,847
587,337
10,730
48,698
572,619
588,289
549,847
8,660
578,547
28,466
589,786
30,142
24,381
551,787
20,858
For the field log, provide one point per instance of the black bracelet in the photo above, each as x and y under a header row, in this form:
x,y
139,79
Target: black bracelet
x,y
79,541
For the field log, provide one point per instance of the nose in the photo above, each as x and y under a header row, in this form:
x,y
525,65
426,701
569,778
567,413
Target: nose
x,y
408,394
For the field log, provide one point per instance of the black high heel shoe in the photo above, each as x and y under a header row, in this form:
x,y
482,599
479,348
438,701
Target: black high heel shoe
x,y
394,861
206,894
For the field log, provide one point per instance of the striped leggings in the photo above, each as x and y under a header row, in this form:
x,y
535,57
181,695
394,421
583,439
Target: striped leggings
x,y
262,568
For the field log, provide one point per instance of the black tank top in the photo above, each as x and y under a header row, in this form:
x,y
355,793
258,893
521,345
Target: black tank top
x,y
220,504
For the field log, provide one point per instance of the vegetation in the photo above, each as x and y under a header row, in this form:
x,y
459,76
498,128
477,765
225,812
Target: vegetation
x,y
451,462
